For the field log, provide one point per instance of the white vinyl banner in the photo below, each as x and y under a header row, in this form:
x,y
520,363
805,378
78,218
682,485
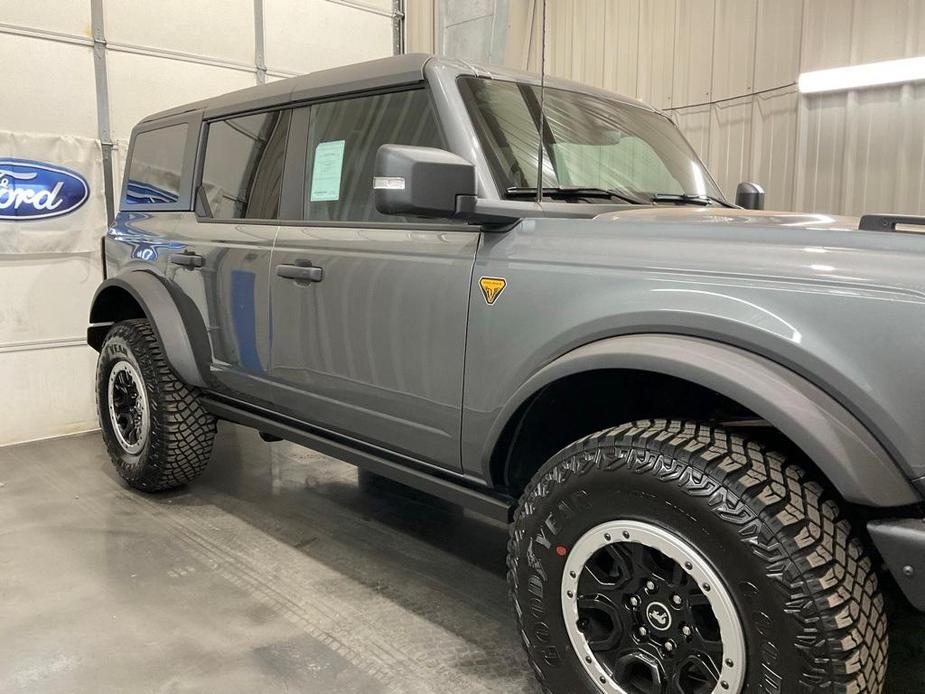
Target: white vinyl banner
x,y
52,215
51,194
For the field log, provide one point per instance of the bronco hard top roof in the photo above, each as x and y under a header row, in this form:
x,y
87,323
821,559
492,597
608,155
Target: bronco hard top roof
x,y
383,73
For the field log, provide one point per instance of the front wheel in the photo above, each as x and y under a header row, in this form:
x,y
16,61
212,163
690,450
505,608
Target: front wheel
x,y
669,557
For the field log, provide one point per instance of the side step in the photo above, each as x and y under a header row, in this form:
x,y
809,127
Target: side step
x,y
377,460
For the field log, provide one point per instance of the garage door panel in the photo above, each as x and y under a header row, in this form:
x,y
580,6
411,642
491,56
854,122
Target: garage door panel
x,y
47,392
216,30
166,83
47,297
315,34
64,75
50,15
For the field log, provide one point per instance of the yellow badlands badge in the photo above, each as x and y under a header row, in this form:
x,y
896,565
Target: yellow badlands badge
x,y
492,288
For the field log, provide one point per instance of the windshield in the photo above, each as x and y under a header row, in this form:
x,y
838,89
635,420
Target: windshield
x,y
589,142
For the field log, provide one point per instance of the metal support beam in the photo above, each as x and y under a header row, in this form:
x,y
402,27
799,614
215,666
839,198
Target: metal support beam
x,y
398,27
102,104
260,60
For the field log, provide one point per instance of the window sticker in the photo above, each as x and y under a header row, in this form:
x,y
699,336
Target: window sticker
x,y
326,170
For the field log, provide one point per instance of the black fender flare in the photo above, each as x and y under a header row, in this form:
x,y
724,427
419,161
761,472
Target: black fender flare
x,y
841,446
178,328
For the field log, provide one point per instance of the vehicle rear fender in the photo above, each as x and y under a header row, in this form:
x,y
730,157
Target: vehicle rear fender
x,y
181,333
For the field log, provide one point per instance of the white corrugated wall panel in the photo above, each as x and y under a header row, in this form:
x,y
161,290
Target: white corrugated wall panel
x,y
588,35
656,54
909,160
522,49
694,122
882,123
314,34
777,50
620,52
774,133
207,29
730,142
559,19
826,40
734,48
821,154
420,28
886,30
693,52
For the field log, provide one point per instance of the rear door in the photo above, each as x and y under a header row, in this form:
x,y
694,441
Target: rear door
x,y
370,344
229,239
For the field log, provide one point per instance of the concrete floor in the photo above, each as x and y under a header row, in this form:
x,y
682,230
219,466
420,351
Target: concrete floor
x,y
275,572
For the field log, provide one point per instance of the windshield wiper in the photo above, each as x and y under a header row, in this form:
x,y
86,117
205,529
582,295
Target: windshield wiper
x,y
688,198
575,192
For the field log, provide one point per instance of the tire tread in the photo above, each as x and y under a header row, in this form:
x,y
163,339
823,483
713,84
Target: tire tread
x,y
183,429
829,582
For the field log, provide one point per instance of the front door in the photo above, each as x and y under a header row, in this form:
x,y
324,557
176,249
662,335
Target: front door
x,y
369,311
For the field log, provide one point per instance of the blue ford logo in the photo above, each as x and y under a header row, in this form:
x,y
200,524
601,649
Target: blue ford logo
x,y
34,190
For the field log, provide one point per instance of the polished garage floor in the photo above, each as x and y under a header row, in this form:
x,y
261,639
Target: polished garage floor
x,y
276,572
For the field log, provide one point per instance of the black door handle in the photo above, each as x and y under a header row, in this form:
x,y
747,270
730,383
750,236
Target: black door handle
x,y
300,273
187,260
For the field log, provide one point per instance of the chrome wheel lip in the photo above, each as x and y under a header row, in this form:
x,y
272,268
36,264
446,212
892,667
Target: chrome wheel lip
x,y
141,402
691,560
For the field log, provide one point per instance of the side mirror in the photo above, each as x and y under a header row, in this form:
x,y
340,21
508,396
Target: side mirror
x,y
750,196
421,181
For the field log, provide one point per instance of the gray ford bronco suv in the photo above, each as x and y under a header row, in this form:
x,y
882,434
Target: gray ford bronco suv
x,y
705,423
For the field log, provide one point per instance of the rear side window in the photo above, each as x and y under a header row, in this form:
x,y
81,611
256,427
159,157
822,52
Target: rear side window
x,y
243,168
343,140
157,166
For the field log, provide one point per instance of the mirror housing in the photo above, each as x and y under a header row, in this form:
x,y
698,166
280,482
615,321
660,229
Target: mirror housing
x,y
750,196
421,181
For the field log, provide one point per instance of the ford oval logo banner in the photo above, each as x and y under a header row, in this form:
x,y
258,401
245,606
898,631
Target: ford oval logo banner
x,y
35,190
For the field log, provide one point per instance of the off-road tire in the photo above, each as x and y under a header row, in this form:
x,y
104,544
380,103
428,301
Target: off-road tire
x,y
179,443
803,585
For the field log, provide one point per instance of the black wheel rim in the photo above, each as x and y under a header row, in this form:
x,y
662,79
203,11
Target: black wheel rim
x,y
128,407
644,622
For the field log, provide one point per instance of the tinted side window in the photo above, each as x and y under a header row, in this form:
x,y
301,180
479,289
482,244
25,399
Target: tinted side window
x,y
156,167
243,168
342,143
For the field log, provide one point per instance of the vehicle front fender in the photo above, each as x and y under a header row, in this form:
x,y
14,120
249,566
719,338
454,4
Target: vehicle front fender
x,y
179,331
845,451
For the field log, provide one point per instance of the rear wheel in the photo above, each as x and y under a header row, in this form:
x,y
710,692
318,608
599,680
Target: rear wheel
x,y
665,556
157,433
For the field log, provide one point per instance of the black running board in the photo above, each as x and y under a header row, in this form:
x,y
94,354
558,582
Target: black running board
x,y
431,481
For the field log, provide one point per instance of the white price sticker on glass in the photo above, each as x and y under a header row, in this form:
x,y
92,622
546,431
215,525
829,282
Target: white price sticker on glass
x,y
326,171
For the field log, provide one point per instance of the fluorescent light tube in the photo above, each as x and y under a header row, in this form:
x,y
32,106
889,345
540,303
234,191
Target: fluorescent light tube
x,y
858,76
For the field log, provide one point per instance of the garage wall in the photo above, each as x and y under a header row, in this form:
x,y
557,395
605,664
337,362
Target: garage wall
x,y
79,75
726,71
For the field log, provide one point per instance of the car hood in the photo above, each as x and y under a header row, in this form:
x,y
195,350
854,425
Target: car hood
x,y
687,214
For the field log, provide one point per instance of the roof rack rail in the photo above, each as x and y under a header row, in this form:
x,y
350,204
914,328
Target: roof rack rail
x,y
888,222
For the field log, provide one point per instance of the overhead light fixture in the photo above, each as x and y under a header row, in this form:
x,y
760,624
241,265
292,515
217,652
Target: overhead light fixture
x,y
859,76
